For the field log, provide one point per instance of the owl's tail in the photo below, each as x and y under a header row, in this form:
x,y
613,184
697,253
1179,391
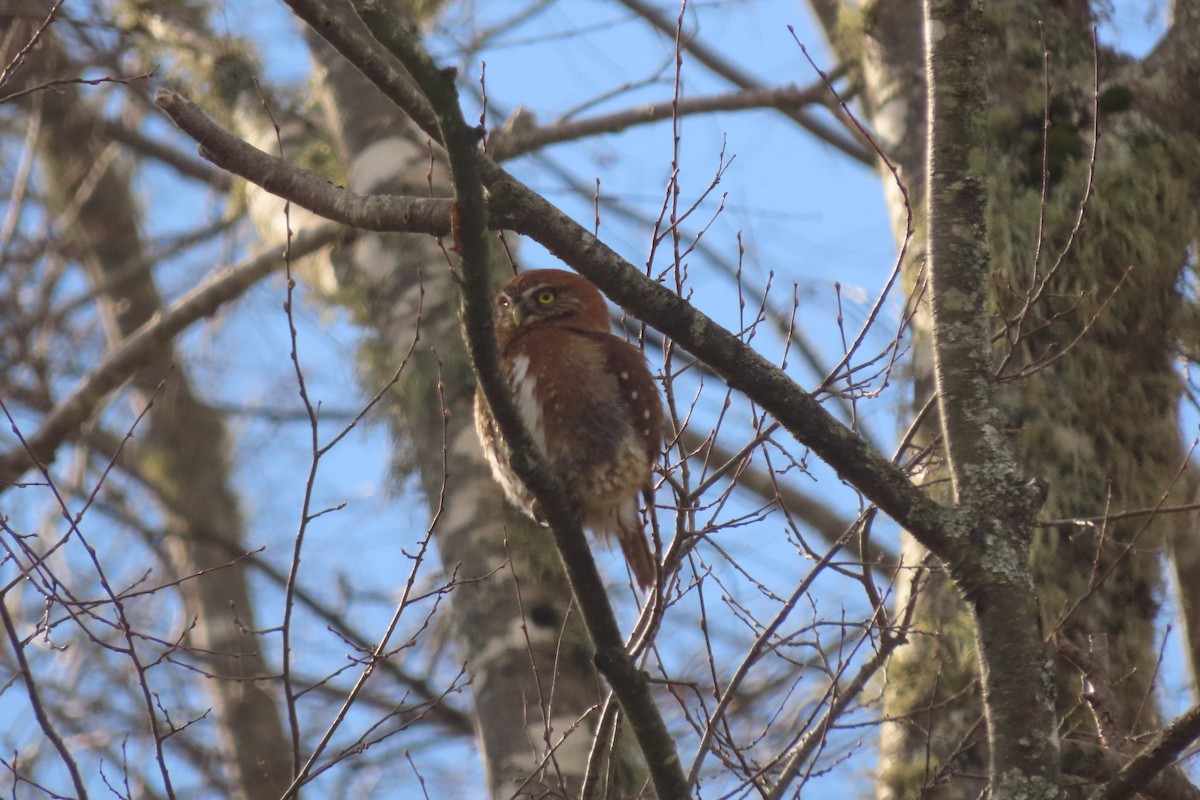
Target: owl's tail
x,y
635,547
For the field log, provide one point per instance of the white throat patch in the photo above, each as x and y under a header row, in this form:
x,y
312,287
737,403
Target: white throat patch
x,y
524,389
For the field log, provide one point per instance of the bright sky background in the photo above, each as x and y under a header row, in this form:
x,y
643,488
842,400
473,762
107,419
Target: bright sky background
x,y
804,211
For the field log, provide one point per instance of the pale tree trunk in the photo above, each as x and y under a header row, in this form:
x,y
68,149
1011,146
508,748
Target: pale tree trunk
x,y
1185,559
182,445
537,692
1090,404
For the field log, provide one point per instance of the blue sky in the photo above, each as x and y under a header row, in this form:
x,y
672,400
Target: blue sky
x,y
803,211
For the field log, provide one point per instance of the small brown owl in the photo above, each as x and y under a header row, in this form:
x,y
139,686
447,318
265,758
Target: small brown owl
x,y
588,400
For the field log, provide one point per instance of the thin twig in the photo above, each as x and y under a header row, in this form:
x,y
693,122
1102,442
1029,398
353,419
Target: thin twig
x,y
35,702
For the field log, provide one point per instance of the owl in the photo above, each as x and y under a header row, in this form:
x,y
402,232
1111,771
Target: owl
x,y
588,400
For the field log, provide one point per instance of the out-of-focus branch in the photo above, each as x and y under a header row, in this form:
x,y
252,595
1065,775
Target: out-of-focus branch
x,y
1164,84
1173,53
827,13
370,212
1185,13
735,75
371,59
1097,764
182,163
11,11
64,421
26,9
515,140
1185,560
1162,750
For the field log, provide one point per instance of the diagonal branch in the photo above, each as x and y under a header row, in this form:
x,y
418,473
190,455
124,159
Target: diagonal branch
x,y
64,421
514,206
740,366
510,142
369,212
1160,753
738,77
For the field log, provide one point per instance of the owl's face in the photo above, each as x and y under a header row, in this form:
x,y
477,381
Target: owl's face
x,y
548,298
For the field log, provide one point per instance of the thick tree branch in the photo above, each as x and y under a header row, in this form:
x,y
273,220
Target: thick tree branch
x,y
1167,82
370,58
740,366
186,165
1160,753
1174,52
959,261
369,212
516,207
827,13
1098,764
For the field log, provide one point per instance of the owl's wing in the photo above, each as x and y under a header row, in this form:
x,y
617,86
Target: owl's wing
x,y
636,384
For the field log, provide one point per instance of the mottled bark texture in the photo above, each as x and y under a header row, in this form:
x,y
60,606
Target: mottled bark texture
x,y
532,674
1089,396
182,444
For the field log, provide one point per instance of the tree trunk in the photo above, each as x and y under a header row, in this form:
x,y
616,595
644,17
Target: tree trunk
x,y
1090,392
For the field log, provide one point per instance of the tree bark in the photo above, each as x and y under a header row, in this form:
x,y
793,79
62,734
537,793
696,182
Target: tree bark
x,y
1088,393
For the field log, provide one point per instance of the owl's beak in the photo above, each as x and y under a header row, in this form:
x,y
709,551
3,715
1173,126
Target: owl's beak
x,y
517,312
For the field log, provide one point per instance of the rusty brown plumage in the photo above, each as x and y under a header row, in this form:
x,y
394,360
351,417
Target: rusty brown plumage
x,y
587,398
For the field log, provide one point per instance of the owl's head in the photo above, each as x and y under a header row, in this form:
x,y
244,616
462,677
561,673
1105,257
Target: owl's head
x,y
549,297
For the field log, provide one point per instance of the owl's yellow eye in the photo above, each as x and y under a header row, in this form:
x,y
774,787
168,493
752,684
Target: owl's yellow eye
x,y
545,297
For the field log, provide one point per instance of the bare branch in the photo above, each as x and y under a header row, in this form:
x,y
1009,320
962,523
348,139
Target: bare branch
x,y
182,163
1162,750
35,702
738,77
41,87
1097,764
512,141
370,212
